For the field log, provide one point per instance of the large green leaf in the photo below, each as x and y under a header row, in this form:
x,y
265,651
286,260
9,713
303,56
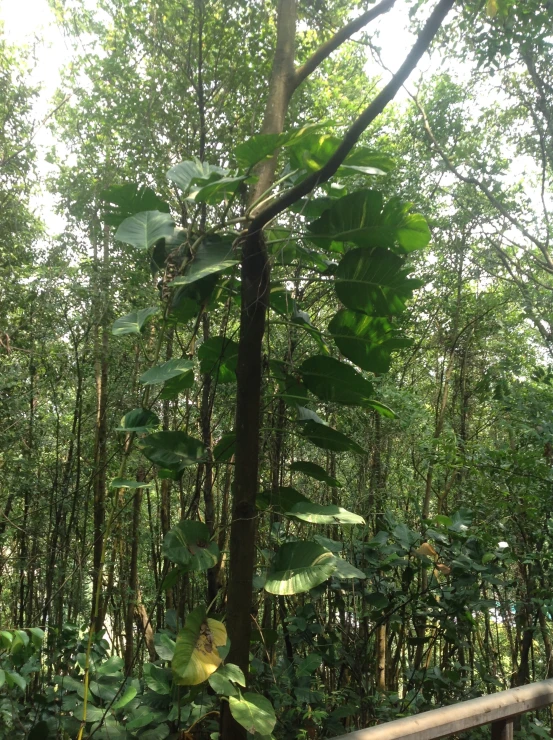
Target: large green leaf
x,y
374,281
299,567
368,341
314,513
193,171
263,146
366,161
166,371
133,322
188,544
122,201
324,436
362,218
210,258
173,450
174,386
254,712
127,696
216,191
346,570
219,357
281,500
93,714
138,420
332,380
196,655
315,471
158,679
145,229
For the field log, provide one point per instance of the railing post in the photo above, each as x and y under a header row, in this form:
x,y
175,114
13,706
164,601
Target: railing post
x,y
502,729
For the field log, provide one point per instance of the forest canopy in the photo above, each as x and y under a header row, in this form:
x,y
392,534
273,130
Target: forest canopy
x,y
277,394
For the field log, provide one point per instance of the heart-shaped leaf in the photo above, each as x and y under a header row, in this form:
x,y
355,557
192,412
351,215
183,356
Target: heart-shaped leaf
x,y
133,322
145,229
299,567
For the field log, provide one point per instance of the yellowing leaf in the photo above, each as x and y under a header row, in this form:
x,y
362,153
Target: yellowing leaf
x,y
196,655
445,570
427,549
492,8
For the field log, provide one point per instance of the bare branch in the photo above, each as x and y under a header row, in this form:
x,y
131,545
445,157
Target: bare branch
x,y
373,110
326,49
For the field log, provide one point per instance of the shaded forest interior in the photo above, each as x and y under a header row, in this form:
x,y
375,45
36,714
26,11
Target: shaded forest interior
x,y
277,397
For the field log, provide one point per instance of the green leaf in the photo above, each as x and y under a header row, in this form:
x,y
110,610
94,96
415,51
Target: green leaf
x,y
141,717
281,500
315,471
366,162
218,190
323,436
334,381
193,171
20,639
299,567
263,146
111,667
2,677
221,685
225,447
331,545
188,544
309,664
128,695
219,357
93,714
122,201
138,420
156,733
174,386
165,646
362,218
374,281
233,673
15,679
104,692
368,341
210,258
127,483
37,636
308,511
173,450
377,601
158,679
166,371
145,229
254,712
196,655
133,322
382,409
346,570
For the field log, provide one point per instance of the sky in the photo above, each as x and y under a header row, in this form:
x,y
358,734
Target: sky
x,y
32,23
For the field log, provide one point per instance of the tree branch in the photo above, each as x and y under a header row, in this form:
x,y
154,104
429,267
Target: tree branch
x,y
326,49
352,135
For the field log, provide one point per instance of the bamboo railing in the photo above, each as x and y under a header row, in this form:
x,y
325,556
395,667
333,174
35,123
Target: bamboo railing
x,y
498,709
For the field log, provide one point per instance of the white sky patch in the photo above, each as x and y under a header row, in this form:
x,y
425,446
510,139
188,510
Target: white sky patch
x,y
31,23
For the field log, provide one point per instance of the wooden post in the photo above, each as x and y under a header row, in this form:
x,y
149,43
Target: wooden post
x,y
502,730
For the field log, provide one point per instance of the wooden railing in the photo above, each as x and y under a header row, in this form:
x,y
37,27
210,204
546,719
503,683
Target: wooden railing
x,y
498,709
